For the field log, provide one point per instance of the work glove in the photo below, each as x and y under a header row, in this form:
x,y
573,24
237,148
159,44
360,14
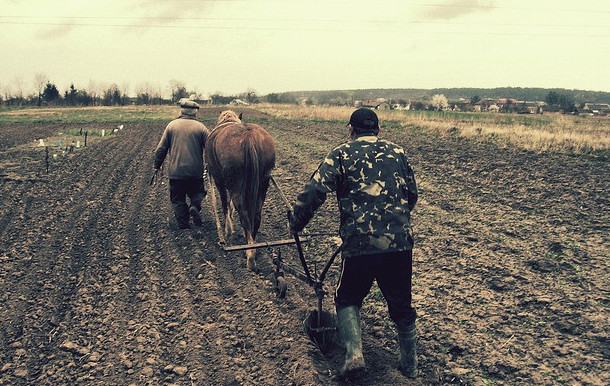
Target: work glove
x,y
291,223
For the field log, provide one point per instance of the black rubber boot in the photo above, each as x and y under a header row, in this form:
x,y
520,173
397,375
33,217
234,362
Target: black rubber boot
x,y
408,351
182,216
351,337
194,212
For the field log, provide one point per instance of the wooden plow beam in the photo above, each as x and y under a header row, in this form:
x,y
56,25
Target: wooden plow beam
x,y
264,244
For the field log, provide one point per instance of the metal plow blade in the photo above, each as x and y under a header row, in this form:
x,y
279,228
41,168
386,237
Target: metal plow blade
x,y
321,329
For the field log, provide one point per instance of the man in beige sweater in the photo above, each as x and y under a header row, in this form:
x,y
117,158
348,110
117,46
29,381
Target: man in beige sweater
x,y
183,140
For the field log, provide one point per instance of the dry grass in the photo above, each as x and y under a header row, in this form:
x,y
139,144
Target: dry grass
x,y
547,132
98,114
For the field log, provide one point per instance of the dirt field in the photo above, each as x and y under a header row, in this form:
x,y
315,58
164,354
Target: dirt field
x,y
99,287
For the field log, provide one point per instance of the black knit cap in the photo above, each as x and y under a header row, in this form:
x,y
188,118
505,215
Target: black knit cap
x,y
364,120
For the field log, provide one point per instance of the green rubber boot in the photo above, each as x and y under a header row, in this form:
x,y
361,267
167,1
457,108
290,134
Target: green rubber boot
x,y
408,351
351,336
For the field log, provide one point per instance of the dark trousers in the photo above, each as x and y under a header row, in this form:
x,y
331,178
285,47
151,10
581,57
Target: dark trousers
x,y
392,271
179,190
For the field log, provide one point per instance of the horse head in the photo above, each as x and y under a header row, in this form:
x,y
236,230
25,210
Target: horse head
x,y
226,117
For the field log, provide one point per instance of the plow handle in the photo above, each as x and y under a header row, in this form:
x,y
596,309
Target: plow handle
x,y
284,199
298,241
152,179
301,256
328,264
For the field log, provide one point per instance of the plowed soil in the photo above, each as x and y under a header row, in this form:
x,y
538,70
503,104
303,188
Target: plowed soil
x,y
99,287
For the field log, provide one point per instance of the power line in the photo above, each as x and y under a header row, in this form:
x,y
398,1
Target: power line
x,y
382,3
240,19
305,29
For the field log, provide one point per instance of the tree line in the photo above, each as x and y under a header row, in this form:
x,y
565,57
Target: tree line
x,y
425,96
46,93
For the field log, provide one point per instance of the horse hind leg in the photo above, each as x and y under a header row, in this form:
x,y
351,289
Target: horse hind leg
x,y
230,213
229,229
249,234
226,210
250,254
247,227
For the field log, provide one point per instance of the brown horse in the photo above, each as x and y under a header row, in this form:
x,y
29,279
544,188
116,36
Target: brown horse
x,y
239,158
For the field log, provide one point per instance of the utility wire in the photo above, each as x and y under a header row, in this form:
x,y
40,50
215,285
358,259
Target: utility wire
x,y
306,29
147,18
384,3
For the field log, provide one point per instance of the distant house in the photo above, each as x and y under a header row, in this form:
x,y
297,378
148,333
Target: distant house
x,y
503,101
400,106
378,104
506,104
525,107
597,108
204,100
484,104
383,106
461,105
239,102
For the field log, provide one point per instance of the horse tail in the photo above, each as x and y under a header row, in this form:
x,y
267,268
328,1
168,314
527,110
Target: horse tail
x,y
252,178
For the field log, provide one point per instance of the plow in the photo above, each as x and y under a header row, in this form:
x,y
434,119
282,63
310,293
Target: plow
x,y
319,324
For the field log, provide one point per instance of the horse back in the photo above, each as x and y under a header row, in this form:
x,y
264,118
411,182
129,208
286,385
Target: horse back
x,y
265,144
226,147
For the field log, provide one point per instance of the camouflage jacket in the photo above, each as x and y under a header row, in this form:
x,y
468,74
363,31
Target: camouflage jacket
x,y
376,191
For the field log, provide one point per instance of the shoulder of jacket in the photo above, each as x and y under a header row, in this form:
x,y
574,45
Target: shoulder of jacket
x,y
175,122
344,147
203,126
395,147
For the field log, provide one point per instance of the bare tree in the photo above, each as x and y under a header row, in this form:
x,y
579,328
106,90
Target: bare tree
x,y
144,93
19,88
7,93
157,95
177,90
111,95
125,96
250,95
40,82
196,95
94,92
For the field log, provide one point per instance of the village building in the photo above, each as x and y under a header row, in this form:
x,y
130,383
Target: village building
x,y
596,108
378,104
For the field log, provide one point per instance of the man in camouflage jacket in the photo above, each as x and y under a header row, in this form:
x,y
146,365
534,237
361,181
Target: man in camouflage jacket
x,y
376,192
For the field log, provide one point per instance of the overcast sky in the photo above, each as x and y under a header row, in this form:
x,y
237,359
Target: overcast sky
x,y
233,46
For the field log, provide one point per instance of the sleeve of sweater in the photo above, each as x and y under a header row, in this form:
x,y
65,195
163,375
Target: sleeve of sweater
x,y
162,148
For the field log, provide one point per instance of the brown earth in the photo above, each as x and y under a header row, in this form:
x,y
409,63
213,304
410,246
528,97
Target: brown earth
x,y
98,286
